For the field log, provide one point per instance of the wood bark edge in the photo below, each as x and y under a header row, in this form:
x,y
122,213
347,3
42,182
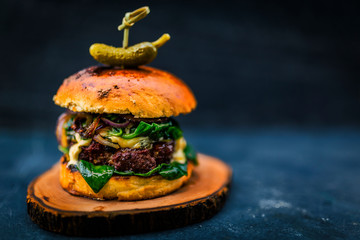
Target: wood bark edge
x,y
124,221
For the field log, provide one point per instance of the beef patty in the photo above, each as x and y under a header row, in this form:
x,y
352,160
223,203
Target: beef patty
x,y
128,159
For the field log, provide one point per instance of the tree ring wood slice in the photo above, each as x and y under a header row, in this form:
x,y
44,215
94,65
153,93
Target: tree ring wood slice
x,y
54,209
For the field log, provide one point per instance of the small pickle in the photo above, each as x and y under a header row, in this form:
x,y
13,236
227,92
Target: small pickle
x,y
136,55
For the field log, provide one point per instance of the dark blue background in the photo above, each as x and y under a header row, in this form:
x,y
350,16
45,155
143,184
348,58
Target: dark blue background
x,y
278,88
249,63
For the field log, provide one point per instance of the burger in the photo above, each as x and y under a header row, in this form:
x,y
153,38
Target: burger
x,y
118,135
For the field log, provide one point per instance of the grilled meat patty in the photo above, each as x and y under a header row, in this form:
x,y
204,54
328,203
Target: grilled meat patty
x,y
127,159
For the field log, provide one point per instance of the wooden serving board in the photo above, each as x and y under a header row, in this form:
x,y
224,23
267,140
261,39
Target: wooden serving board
x,y
200,198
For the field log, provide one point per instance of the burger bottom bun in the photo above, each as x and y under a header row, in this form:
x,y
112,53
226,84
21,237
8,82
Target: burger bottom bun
x,y
121,187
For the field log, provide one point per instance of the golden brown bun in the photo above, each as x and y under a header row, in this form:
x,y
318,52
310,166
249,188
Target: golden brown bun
x,y
145,92
121,187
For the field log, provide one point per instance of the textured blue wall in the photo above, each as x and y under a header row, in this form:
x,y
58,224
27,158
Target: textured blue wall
x,y
248,62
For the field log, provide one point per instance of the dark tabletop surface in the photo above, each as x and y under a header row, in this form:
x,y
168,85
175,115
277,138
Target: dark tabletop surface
x,y
287,184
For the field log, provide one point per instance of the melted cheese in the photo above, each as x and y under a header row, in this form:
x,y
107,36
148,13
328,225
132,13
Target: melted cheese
x,y
131,143
179,155
75,149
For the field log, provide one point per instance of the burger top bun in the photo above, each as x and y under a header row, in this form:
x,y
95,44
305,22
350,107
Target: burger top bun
x,y
144,92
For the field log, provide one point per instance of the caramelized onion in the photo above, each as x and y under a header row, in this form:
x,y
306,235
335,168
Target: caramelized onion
x,y
103,131
105,142
91,129
117,125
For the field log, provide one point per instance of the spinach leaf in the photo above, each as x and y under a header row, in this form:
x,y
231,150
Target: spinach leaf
x,y
148,174
116,132
170,171
174,132
95,176
173,171
64,150
126,173
155,131
190,154
142,129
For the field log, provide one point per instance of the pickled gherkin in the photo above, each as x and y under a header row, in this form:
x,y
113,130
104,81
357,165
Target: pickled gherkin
x,y
133,56
128,57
